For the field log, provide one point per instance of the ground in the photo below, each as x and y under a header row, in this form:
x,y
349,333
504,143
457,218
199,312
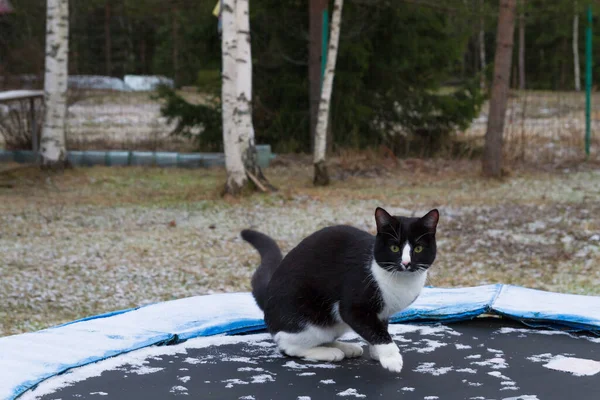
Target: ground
x,y
88,241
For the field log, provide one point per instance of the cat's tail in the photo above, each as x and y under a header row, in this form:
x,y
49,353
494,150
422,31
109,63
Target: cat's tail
x,y
270,257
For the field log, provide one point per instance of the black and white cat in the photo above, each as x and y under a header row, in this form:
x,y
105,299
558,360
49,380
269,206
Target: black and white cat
x,y
342,278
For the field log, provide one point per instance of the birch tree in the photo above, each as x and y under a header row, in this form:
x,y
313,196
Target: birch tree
x,y
238,130
321,177
243,111
576,47
53,151
492,152
236,174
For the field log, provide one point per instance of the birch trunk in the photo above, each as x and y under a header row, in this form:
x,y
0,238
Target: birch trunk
x,y
576,48
315,27
53,152
522,46
236,174
492,152
243,111
242,114
482,62
321,177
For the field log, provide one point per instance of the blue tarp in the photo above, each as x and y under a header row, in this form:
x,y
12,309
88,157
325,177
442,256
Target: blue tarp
x,y
30,358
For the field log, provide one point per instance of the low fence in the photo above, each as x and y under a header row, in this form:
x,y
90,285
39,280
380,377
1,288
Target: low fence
x,y
139,158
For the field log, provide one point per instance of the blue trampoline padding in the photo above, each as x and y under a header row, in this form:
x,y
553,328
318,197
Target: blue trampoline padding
x,y
537,307
28,359
446,305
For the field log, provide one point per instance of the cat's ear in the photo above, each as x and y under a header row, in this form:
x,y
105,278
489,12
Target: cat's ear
x,y
430,220
383,218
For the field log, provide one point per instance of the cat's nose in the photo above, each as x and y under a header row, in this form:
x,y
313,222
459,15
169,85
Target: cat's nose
x,y
405,263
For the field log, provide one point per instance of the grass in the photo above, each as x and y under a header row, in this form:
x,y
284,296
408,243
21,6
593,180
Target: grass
x,y
93,240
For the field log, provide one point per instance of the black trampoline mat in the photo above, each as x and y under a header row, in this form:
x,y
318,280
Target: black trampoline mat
x,y
479,359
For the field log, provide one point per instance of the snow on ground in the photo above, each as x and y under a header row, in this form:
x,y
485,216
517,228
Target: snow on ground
x,y
98,240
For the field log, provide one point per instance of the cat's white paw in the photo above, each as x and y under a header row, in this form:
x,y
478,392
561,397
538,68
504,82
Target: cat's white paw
x,y
388,355
373,353
392,363
322,353
350,350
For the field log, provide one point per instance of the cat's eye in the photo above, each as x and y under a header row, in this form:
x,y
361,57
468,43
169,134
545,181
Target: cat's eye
x,y
394,248
418,249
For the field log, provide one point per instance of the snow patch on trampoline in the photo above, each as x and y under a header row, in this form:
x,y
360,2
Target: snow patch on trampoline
x,y
179,389
431,346
429,368
257,369
496,362
143,370
541,357
295,365
427,330
262,378
525,331
99,393
247,360
576,366
234,381
564,363
328,381
350,392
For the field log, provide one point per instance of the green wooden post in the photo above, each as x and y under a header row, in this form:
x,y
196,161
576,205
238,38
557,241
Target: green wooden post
x,y
324,42
588,82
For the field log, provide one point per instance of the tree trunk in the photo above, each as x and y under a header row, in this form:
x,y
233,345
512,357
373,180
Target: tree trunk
x,y
315,23
522,46
482,62
492,156
53,151
576,48
243,111
107,39
236,174
321,177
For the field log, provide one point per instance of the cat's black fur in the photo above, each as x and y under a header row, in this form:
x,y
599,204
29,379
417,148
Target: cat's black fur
x,y
332,266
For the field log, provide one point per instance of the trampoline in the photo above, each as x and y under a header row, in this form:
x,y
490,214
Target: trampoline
x,y
486,342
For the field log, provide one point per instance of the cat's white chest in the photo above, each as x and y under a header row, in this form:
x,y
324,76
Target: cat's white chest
x,y
398,290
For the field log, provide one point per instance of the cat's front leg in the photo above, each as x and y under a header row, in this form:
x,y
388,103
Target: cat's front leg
x,y
381,346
